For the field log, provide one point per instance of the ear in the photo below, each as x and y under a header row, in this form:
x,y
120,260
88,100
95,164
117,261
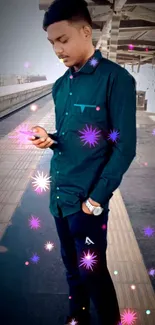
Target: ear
x,y
87,31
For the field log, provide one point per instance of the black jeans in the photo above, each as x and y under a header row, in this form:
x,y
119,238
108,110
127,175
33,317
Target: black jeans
x,y
87,283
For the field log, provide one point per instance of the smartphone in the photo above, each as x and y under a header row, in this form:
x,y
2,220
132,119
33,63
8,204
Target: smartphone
x,y
30,133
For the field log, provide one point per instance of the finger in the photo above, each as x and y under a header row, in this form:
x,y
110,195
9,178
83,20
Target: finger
x,y
44,144
49,144
35,129
37,142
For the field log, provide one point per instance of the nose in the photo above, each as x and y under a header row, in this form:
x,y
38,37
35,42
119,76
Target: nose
x,y
58,51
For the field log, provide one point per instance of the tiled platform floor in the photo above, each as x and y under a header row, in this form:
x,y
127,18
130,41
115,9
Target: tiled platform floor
x,y
18,162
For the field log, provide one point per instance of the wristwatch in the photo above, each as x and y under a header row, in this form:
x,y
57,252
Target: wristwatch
x,y
96,210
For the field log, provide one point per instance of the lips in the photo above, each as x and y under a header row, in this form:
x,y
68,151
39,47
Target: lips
x,y
64,58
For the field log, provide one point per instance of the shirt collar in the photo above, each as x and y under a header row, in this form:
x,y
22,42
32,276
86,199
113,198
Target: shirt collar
x,y
90,65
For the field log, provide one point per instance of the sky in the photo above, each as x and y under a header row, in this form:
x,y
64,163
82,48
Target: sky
x,y
22,40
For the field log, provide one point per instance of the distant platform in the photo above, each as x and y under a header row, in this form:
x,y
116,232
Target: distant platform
x,y
11,89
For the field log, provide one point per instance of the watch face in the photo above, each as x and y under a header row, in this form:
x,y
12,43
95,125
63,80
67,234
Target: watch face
x,y
97,211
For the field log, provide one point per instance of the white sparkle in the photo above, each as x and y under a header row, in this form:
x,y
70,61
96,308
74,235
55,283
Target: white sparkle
x,y
41,182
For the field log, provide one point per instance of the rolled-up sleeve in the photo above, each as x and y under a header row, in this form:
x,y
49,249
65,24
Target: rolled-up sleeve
x,y
121,104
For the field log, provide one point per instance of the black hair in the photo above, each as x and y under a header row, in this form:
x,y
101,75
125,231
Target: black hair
x,y
71,10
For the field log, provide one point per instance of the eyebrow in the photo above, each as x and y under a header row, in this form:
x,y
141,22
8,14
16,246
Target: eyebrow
x,y
56,38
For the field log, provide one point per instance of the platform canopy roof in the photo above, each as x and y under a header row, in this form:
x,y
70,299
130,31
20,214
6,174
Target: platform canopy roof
x,y
124,30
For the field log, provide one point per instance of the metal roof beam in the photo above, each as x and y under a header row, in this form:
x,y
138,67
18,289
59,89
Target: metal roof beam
x,y
142,13
136,42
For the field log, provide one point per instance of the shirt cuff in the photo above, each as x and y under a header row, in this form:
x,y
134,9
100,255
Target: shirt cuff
x,y
53,137
101,193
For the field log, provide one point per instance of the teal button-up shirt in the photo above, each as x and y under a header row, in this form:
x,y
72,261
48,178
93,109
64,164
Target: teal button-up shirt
x,y
95,112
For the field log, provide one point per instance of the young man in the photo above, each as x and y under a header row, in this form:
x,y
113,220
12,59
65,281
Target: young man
x,y
95,107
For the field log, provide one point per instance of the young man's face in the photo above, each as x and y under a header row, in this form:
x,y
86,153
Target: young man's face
x,y
70,42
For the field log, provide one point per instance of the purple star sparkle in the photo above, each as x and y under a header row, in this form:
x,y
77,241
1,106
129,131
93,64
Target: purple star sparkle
x,y
153,132
113,135
88,260
90,136
73,322
34,222
152,272
35,258
148,231
93,62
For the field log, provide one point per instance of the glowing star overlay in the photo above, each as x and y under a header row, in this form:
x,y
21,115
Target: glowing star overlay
x,y
128,317
21,134
152,272
49,246
148,231
93,62
90,136
34,222
88,261
33,107
73,322
41,182
153,132
113,135
35,258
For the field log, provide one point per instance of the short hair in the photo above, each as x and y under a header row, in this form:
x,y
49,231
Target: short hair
x,y
71,10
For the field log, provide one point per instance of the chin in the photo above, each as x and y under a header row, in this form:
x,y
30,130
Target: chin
x,y
68,64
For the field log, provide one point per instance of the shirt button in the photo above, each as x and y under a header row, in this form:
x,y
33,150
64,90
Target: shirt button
x,y
70,94
66,113
57,197
58,188
57,171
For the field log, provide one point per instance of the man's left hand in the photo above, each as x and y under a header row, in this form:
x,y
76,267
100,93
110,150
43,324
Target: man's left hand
x,y
86,210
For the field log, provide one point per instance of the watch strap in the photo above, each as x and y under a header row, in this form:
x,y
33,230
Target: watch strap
x,y
90,206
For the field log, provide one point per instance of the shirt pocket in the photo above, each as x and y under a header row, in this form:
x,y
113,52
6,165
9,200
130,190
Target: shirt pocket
x,y
89,112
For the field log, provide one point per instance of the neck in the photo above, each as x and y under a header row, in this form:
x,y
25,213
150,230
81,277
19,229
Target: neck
x,y
80,64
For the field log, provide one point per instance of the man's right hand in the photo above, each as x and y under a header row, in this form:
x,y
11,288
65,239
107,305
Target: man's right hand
x,y
44,142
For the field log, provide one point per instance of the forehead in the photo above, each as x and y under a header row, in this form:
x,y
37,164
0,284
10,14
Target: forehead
x,y
55,30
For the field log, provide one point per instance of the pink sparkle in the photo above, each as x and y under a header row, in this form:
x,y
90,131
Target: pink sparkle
x,y
26,263
27,64
71,77
88,260
33,107
104,227
70,297
97,108
128,317
22,138
34,222
131,46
